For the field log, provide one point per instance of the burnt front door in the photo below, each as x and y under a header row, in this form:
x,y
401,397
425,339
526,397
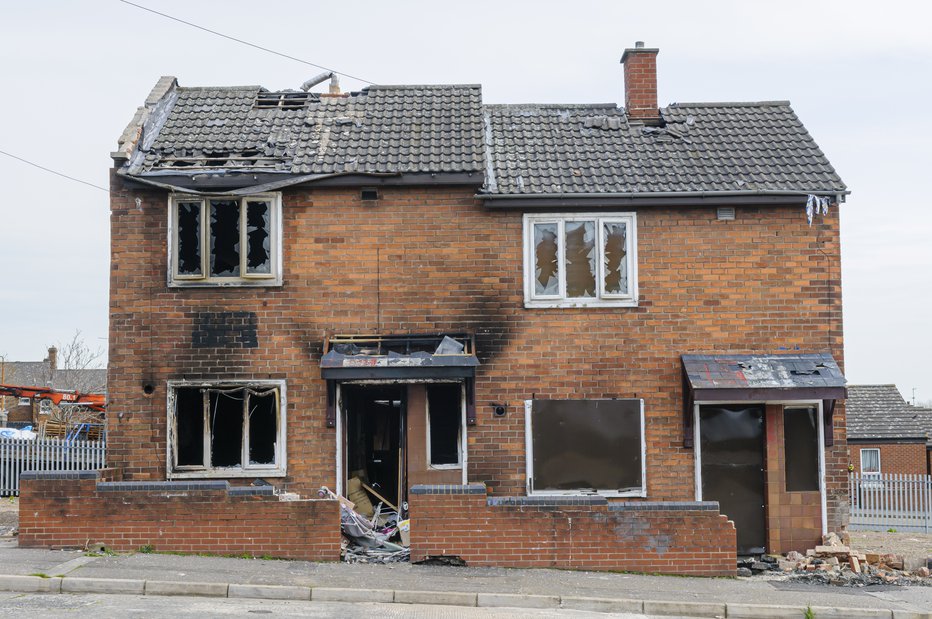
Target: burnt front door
x,y
731,441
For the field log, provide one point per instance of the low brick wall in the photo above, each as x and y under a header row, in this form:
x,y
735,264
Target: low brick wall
x,y
62,509
570,533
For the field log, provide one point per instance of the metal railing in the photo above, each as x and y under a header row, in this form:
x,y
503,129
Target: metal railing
x,y
45,454
883,502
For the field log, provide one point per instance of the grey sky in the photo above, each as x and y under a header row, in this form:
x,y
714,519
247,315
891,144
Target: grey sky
x,y
859,75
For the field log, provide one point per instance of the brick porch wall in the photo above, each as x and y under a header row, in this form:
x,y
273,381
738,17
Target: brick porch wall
x,y
570,533
70,509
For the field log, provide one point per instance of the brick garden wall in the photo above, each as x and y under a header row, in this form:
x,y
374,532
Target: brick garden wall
x,y
895,458
71,509
579,533
434,260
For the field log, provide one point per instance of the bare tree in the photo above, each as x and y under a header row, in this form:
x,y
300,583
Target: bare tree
x,y
79,367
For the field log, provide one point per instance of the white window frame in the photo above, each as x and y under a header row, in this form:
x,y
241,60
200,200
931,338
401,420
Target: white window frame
x,y
461,438
277,469
529,463
25,402
864,473
602,299
273,278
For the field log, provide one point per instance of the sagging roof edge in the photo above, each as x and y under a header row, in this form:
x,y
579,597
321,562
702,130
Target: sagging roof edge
x,y
335,179
658,198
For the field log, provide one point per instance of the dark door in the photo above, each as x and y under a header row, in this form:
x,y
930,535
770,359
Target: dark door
x,y
731,439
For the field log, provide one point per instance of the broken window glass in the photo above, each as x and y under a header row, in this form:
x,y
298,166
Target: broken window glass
x,y
189,238
189,424
263,427
580,258
226,427
614,263
445,411
224,238
546,279
258,247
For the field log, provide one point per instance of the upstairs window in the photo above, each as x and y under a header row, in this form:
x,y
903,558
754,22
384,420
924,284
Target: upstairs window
x,y
580,260
225,241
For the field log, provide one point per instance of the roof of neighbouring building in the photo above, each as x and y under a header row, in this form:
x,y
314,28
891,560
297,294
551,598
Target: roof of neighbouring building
x,y
39,374
880,412
230,137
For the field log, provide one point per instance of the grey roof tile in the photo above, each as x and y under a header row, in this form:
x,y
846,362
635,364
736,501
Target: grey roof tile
x,y
880,412
537,149
783,371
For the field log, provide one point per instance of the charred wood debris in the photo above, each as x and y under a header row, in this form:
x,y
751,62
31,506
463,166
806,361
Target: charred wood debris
x,y
370,534
835,563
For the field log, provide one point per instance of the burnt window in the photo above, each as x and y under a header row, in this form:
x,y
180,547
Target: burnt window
x,y
801,449
580,260
225,241
445,423
586,446
227,429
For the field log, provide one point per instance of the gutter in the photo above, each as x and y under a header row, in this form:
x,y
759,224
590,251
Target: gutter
x,y
770,196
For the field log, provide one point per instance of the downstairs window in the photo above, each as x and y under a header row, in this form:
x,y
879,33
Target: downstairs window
x,y
586,447
227,429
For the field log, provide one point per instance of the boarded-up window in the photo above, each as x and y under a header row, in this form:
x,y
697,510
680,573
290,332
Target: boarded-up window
x,y
580,259
546,271
801,449
445,414
586,445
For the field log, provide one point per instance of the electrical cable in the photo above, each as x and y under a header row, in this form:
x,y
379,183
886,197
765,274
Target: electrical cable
x,y
231,38
71,178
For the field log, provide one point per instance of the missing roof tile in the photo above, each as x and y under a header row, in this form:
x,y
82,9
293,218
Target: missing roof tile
x,y
282,100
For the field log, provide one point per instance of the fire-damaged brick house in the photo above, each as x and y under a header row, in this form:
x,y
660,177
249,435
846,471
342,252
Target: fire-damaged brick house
x,y
578,336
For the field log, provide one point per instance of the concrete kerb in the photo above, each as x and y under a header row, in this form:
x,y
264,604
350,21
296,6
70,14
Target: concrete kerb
x,y
38,584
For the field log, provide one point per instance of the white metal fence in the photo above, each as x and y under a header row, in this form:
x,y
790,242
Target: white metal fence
x,y
48,454
883,502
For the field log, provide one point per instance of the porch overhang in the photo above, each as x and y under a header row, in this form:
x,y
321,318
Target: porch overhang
x,y
761,378
450,356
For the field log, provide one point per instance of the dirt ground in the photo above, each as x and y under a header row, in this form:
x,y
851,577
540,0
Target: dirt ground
x,y
916,548
9,514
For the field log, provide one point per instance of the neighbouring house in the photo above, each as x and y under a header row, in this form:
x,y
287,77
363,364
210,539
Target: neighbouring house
x,y
576,336
885,434
46,373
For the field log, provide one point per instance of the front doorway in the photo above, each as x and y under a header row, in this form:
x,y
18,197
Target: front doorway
x,y
731,443
396,435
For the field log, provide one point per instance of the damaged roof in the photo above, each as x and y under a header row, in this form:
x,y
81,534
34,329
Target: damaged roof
x,y
880,412
220,139
745,372
248,130
701,147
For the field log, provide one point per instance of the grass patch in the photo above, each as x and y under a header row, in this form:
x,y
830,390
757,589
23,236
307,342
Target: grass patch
x,y
40,575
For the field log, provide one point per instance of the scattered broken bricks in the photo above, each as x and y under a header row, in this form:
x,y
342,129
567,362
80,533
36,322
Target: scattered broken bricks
x,y
833,562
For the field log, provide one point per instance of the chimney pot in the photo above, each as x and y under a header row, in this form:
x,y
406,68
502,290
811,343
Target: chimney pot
x,y
641,82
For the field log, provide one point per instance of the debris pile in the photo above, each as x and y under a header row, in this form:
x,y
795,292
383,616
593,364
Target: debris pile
x,y
367,536
834,563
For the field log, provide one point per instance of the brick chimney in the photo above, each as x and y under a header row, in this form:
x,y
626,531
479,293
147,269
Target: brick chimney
x,y
641,82
53,358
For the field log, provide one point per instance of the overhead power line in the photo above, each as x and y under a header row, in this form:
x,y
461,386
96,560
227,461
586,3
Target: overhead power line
x,y
231,38
56,173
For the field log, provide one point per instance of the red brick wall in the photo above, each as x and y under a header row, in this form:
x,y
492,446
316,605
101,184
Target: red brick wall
x,y
895,458
794,519
433,260
593,537
67,512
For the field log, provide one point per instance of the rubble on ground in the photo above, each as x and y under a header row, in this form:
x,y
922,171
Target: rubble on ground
x,y
835,563
367,539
